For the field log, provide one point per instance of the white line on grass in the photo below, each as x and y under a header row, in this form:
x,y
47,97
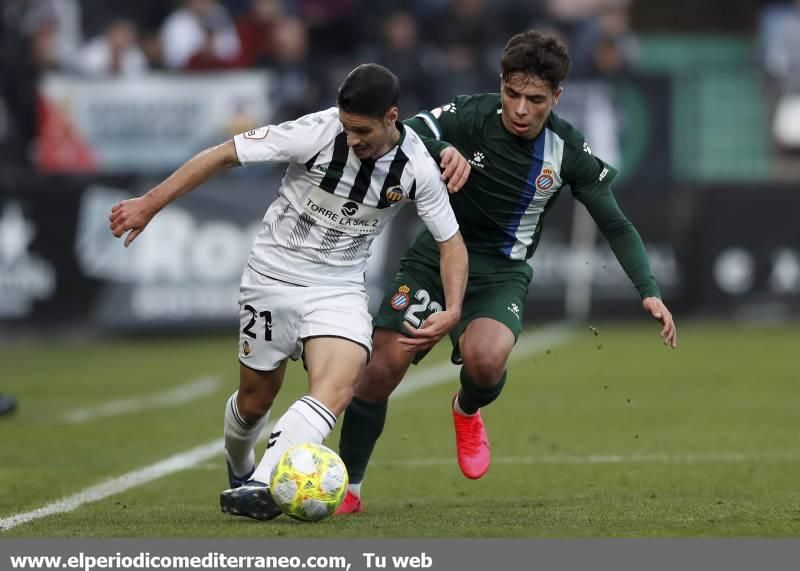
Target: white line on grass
x,y
171,398
528,344
108,488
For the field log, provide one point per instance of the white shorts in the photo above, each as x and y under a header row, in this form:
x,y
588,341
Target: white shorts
x,y
276,317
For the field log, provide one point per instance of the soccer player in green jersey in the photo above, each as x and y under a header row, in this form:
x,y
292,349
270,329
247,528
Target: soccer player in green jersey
x,y
522,156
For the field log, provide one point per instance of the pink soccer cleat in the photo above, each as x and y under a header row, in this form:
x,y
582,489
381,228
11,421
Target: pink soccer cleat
x,y
472,444
350,505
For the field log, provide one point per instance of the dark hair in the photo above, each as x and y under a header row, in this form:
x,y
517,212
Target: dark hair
x,y
533,54
370,89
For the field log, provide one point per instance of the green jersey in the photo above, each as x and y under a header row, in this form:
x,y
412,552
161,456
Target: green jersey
x,y
514,182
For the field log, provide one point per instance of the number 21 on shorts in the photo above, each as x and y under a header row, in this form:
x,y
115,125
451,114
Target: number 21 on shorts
x,y
254,315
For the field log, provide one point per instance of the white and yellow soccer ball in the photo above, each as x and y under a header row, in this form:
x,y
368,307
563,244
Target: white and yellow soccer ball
x,y
309,482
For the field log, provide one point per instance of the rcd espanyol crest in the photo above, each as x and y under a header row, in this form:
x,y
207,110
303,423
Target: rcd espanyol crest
x,y
400,299
545,180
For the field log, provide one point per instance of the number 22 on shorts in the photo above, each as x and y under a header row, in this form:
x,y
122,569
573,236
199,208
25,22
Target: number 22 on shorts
x,y
425,303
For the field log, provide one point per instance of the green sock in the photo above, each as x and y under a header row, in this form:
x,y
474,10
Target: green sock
x,y
472,397
362,426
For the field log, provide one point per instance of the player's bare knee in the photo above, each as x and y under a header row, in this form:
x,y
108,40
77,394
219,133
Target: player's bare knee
x,y
485,368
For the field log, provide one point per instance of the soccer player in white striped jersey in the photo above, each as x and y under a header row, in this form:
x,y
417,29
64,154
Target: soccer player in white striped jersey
x,y
351,168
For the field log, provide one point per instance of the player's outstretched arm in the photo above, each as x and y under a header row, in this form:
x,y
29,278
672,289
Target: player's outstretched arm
x,y
628,248
454,270
134,215
656,308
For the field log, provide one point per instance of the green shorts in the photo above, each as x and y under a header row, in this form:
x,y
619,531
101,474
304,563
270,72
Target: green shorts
x,y
496,289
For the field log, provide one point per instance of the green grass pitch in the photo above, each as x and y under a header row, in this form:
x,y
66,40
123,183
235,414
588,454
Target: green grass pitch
x,y
606,435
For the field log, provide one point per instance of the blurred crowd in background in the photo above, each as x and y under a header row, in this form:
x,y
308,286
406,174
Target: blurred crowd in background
x,y
438,48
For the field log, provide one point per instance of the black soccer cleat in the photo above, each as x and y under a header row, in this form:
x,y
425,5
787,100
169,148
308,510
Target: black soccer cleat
x,y
252,499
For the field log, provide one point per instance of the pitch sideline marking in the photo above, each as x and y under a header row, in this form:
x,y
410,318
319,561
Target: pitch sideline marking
x,y
174,397
118,485
528,344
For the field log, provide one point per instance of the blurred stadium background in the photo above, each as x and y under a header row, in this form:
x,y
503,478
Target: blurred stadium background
x,y
697,103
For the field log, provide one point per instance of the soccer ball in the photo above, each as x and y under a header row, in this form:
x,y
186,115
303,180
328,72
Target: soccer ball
x,y
309,482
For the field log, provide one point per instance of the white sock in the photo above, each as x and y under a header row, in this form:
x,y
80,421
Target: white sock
x,y
457,408
355,489
240,437
307,420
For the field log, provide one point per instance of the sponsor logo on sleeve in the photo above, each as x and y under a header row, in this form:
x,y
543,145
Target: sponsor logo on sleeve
x,y
256,134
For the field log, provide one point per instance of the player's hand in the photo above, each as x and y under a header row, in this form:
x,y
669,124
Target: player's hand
x,y
655,307
455,169
131,216
430,332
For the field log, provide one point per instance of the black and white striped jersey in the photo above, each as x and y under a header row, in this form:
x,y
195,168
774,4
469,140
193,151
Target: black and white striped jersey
x,y
331,204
